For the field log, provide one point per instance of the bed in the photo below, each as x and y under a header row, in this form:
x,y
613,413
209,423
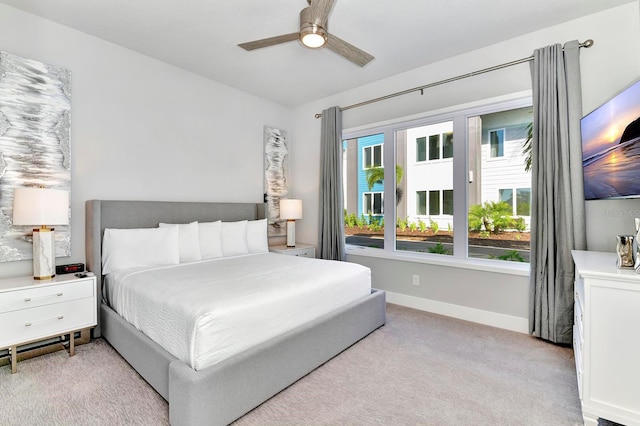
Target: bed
x,y
224,391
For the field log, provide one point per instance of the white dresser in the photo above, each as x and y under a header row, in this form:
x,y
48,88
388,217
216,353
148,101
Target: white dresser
x,y
606,338
31,311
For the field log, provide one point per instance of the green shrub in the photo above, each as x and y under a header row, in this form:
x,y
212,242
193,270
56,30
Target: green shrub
x,y
434,226
492,217
438,249
422,225
512,255
413,226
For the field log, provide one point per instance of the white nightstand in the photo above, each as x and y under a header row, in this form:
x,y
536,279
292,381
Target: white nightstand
x,y
303,250
31,311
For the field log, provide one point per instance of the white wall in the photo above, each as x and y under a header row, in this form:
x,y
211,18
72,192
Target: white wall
x,y
142,129
611,64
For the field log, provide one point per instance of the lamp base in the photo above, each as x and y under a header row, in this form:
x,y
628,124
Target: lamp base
x,y
44,254
291,233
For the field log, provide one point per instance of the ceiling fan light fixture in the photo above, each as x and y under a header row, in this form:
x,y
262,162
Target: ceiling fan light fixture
x,y
313,36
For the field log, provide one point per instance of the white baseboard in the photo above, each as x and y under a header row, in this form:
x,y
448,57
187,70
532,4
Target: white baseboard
x,y
507,322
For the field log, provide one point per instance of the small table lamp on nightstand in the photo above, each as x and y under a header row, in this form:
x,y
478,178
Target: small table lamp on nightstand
x,y
41,207
291,210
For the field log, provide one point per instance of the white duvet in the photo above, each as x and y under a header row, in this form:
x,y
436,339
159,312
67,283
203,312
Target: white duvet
x,y
204,312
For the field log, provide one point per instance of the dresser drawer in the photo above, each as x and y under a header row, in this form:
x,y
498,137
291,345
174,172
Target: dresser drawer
x,y
47,320
577,351
26,298
578,317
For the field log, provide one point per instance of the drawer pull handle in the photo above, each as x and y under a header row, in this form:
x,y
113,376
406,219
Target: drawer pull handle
x,y
30,323
29,299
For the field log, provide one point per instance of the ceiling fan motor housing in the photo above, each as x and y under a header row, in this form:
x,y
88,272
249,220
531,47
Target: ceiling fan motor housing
x,y
312,34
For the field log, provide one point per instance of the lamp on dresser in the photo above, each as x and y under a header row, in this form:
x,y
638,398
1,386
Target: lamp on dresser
x,y
291,210
41,207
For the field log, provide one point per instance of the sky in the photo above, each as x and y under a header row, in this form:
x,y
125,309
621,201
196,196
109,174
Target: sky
x,y
603,127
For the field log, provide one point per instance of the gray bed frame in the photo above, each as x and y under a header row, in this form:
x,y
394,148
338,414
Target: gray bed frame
x,y
225,391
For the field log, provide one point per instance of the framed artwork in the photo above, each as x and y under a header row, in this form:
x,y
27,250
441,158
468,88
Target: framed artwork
x,y
276,153
35,144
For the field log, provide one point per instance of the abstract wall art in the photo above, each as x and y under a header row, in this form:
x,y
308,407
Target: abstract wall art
x,y
276,152
35,144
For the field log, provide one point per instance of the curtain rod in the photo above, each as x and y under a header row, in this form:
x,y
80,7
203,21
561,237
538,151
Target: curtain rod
x,y
587,43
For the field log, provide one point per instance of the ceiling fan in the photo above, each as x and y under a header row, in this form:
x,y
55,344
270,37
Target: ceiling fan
x,y
314,34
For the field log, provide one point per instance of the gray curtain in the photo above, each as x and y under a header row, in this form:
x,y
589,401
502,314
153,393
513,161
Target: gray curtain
x,y
331,199
557,209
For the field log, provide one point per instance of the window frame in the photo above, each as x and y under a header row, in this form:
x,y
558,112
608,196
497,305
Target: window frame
x,y
459,115
373,203
366,166
502,143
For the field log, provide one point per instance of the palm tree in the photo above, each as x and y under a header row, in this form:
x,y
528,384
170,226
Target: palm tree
x,y
376,175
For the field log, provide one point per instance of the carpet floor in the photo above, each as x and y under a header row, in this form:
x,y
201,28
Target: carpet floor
x,y
420,368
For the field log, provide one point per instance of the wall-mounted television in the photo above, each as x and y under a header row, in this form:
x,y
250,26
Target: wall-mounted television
x,y
611,147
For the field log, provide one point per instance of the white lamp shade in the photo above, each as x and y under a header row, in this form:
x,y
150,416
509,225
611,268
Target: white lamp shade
x,y
290,209
40,206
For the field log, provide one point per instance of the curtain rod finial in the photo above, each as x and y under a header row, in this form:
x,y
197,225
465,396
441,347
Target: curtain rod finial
x,y
587,43
318,115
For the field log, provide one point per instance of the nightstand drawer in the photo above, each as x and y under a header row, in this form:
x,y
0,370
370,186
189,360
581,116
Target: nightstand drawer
x,y
25,297
44,321
302,250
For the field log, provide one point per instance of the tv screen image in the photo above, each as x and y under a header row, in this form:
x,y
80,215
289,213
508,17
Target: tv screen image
x,y
611,148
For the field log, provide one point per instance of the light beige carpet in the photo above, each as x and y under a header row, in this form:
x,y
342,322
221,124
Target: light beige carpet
x,y
419,368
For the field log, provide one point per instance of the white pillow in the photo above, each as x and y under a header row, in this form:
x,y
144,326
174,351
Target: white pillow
x,y
210,234
234,238
137,248
257,241
189,241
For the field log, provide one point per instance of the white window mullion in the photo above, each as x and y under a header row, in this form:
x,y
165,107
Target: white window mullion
x,y
389,158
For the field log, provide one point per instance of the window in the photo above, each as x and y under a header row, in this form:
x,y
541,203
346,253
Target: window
x,y
434,147
496,141
447,145
429,201
447,201
421,149
500,190
506,196
421,203
522,205
372,156
372,203
523,201
434,203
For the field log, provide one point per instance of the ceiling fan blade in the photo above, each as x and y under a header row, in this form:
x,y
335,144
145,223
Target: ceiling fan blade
x,y
320,10
349,51
265,42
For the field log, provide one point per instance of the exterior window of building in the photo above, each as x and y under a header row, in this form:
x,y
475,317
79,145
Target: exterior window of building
x,y
372,156
434,203
434,147
373,203
447,201
421,149
447,145
523,201
496,141
506,196
421,203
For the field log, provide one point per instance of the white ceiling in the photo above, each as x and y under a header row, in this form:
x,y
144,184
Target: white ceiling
x,y
202,35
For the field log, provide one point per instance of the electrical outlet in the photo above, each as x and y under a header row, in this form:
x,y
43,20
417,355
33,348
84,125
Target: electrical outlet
x,y
416,280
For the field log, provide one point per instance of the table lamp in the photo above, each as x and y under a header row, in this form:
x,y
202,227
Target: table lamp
x,y
291,210
42,207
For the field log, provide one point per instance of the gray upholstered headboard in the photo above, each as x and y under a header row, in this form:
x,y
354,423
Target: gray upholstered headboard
x,y
101,214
